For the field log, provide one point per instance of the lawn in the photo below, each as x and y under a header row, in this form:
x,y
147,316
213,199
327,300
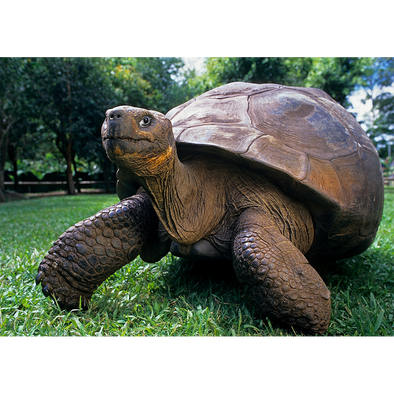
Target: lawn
x,y
172,297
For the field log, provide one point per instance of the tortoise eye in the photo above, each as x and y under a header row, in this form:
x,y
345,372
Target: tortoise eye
x,y
145,121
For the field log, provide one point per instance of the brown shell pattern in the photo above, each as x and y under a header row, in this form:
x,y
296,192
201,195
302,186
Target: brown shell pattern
x,y
302,140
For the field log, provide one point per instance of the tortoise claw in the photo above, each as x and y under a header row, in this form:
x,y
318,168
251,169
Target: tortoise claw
x,y
47,289
39,277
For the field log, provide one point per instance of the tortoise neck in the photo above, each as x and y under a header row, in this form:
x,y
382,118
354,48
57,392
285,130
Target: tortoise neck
x,y
172,192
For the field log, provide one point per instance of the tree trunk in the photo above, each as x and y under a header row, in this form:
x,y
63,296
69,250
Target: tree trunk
x,y
4,141
13,158
2,188
76,175
70,156
2,198
65,148
69,172
16,177
3,151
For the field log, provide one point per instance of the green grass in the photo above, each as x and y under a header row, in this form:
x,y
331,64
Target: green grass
x,y
172,297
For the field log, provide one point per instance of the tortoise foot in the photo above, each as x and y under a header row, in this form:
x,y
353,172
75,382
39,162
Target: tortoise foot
x,y
58,285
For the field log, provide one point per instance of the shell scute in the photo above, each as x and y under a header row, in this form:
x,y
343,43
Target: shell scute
x,y
297,120
323,176
217,111
236,139
270,150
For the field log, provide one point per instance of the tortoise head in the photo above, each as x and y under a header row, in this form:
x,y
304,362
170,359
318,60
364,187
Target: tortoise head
x,y
139,141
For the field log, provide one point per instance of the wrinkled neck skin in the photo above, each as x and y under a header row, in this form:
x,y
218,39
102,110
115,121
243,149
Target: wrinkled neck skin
x,y
179,196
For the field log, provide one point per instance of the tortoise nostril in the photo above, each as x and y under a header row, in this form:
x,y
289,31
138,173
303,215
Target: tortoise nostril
x,y
115,114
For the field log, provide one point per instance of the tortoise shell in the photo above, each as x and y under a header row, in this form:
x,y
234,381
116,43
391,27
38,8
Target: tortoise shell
x,y
304,142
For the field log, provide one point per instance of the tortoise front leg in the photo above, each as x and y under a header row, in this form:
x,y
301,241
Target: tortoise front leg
x,y
93,249
284,285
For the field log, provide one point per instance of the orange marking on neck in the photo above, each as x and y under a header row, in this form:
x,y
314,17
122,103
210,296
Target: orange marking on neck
x,y
157,161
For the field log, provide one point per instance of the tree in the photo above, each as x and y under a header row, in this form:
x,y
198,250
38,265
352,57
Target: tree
x,y
378,76
127,84
221,70
13,107
336,76
72,95
161,73
384,124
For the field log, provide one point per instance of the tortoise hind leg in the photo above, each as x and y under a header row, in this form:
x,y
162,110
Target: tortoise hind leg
x,y
93,249
284,285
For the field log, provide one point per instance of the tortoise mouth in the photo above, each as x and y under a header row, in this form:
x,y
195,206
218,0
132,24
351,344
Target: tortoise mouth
x,y
120,145
123,138
126,146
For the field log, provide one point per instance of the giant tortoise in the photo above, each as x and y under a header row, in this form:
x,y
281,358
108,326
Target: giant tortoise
x,y
275,179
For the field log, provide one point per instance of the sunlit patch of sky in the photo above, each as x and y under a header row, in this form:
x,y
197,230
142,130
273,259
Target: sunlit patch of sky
x,y
195,62
362,107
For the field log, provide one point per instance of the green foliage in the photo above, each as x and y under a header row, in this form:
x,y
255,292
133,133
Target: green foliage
x,y
71,97
172,297
378,75
247,69
336,76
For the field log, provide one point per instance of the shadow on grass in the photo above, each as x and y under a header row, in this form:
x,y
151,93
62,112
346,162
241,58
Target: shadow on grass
x,y
362,290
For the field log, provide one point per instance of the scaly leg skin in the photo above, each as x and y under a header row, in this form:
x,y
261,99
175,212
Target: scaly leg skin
x,y
93,249
284,285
